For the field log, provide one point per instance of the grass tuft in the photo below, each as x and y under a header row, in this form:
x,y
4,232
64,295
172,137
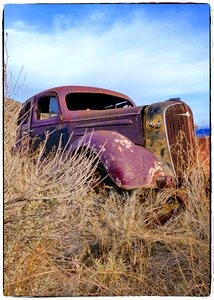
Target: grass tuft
x,y
63,238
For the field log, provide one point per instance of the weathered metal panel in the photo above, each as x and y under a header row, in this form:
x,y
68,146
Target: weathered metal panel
x,y
155,134
128,165
136,142
64,90
180,132
163,122
127,123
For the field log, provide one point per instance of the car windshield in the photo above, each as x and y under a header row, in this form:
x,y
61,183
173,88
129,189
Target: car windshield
x,y
94,101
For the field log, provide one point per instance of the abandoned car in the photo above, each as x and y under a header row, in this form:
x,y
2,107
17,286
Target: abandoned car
x,y
139,144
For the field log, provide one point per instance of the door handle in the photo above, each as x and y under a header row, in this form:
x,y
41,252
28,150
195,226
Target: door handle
x,y
26,132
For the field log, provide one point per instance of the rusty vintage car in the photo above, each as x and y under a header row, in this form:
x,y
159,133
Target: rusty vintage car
x,y
136,141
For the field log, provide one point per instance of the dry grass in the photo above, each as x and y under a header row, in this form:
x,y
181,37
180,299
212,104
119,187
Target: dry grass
x,y
61,238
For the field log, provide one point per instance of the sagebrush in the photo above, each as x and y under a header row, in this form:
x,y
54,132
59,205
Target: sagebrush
x,y
63,237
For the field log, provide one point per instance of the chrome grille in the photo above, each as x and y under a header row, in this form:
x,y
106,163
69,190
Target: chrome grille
x,y
180,133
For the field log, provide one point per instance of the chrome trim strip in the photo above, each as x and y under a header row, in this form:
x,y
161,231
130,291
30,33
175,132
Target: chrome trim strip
x,y
99,123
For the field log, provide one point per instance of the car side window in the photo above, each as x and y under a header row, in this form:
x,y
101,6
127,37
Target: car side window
x,y
47,107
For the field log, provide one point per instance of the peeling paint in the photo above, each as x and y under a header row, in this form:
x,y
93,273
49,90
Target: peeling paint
x,y
118,181
111,157
156,169
120,149
135,144
102,148
124,142
161,138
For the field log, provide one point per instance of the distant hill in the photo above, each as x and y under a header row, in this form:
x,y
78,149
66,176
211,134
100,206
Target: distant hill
x,y
11,108
203,132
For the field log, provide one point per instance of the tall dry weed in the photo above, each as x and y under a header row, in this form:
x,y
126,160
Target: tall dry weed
x,y
63,238
37,197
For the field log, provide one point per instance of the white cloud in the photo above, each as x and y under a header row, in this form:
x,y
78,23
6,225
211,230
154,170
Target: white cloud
x,y
141,58
97,16
19,25
61,22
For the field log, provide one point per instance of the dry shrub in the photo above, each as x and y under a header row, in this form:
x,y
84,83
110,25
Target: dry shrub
x,y
61,238
203,146
37,195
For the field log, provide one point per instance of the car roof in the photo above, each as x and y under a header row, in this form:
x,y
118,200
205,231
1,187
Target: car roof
x,y
86,89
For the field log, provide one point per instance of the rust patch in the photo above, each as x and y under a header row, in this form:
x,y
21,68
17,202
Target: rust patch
x,y
166,182
163,122
179,126
156,135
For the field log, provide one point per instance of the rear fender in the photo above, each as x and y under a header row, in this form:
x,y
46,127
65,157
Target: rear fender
x,y
128,165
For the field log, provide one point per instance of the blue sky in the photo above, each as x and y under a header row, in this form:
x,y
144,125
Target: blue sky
x,y
151,52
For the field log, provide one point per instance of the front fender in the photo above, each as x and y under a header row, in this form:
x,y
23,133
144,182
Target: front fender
x,y
128,165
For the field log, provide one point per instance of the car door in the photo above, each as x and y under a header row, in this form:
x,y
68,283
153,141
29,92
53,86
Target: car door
x,y
24,125
46,122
